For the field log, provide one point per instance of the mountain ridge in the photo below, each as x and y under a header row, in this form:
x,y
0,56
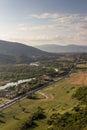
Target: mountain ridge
x,y
63,49
13,52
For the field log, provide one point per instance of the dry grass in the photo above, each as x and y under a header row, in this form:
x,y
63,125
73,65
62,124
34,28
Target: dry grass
x,y
79,78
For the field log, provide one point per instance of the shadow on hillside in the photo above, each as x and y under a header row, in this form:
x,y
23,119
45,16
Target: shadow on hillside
x,y
1,121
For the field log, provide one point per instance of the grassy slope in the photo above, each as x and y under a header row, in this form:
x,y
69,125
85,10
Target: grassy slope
x,y
59,99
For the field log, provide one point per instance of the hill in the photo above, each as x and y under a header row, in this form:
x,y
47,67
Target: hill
x,y
63,49
12,52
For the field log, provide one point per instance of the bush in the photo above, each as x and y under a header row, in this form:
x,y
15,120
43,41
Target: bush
x,y
69,121
30,122
81,95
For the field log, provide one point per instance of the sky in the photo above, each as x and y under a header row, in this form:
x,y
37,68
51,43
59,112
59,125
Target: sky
x,y
38,22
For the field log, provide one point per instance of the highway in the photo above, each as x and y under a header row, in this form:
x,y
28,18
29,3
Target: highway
x,y
15,100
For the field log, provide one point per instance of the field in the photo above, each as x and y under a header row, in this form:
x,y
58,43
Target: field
x,y
56,98
82,66
79,79
59,99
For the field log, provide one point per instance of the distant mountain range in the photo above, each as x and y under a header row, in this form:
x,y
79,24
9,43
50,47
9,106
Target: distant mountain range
x,y
62,49
11,53
18,53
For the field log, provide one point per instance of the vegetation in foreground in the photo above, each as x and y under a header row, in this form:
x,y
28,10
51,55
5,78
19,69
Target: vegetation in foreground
x,y
76,119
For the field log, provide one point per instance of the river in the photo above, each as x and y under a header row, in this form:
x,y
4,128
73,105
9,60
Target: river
x,y
15,83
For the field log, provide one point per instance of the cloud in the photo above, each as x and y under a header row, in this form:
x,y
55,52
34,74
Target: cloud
x,y
72,22
67,18
49,27
22,27
57,28
45,16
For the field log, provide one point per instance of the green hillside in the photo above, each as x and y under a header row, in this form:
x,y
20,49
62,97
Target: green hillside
x,y
11,52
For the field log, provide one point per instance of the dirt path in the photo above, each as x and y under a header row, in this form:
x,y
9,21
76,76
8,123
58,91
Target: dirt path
x,y
43,94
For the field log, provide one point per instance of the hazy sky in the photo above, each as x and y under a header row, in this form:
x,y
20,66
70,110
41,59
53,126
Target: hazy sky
x,y
37,22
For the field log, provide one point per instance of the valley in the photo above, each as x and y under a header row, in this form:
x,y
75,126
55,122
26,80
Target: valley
x,y
56,98
43,64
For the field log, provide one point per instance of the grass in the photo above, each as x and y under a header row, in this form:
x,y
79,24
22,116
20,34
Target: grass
x,y
59,100
79,79
82,65
3,100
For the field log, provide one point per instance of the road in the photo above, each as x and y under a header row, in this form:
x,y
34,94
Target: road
x,y
15,100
